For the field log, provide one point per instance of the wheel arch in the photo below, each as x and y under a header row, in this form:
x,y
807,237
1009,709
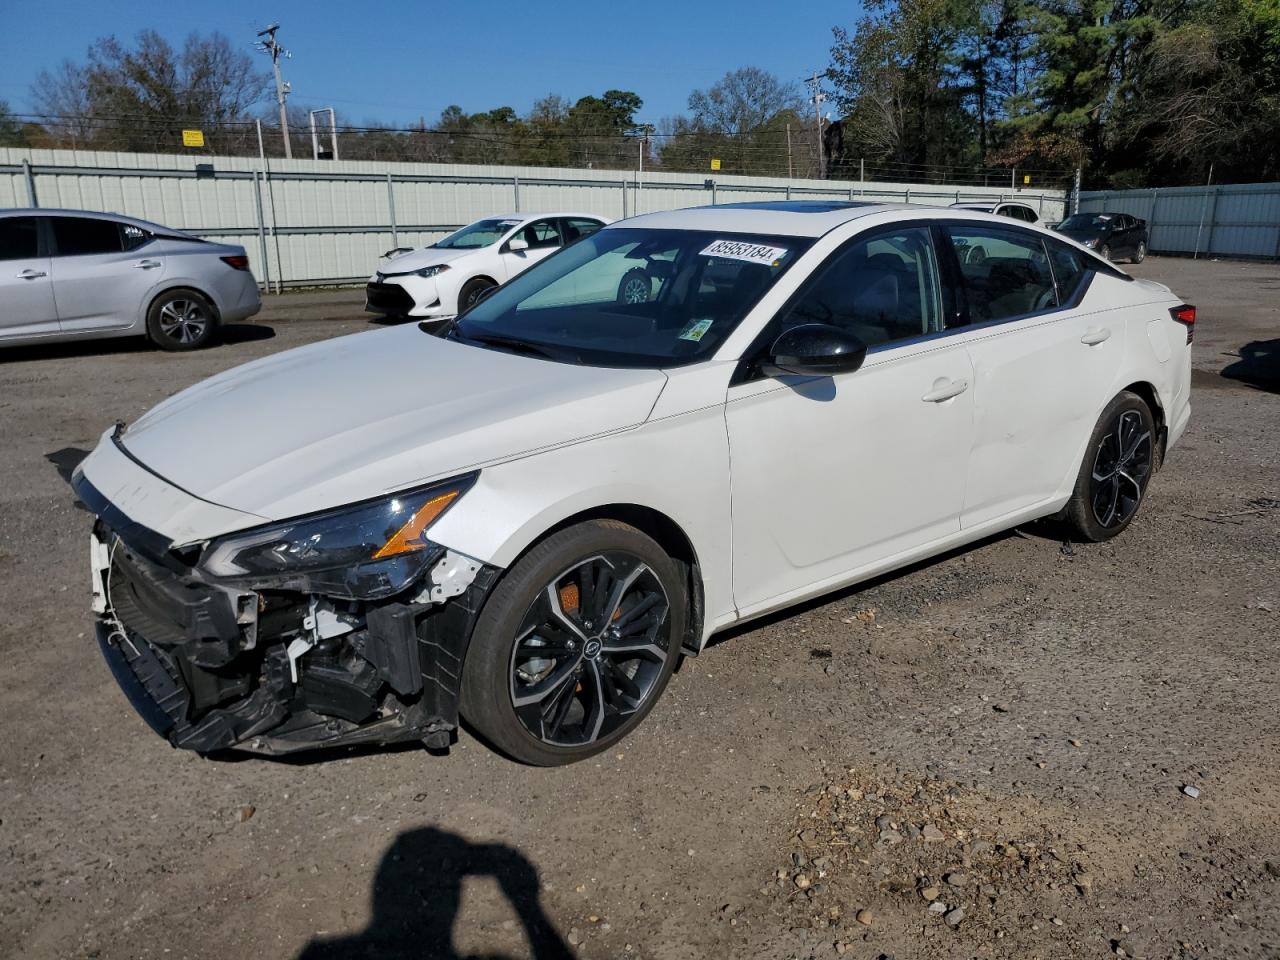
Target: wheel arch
x,y
1151,397
669,535
172,286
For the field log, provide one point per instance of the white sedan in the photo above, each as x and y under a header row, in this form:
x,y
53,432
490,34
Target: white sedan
x,y
531,517
452,274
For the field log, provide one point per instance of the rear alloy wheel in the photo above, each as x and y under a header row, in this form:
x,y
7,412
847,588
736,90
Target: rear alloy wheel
x,y
1140,253
576,644
1117,467
1105,252
181,320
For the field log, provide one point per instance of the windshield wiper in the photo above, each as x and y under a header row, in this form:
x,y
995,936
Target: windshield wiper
x,y
514,344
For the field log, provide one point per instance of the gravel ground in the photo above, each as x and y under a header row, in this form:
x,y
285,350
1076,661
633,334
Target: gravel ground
x,y
1007,731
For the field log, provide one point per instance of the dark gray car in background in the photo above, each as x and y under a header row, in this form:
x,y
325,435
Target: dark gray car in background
x,y
73,274
1113,235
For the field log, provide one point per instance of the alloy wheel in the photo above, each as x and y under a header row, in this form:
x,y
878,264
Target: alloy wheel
x,y
590,650
183,321
635,290
1121,469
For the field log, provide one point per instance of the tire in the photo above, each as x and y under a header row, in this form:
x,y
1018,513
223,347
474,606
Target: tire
x,y
1105,252
1139,252
1117,467
635,286
472,291
541,681
181,320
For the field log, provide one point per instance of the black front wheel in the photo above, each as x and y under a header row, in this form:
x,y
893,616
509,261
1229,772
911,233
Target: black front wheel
x,y
181,320
472,292
1117,467
1140,251
576,644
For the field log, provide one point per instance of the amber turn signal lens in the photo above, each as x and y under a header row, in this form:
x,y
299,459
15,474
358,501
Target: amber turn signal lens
x,y
410,537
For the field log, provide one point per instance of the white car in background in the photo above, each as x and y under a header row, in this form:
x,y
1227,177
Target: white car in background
x,y
531,517
1001,208
78,275
449,276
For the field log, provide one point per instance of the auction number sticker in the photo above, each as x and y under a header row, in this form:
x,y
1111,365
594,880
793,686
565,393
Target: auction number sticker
x,y
750,252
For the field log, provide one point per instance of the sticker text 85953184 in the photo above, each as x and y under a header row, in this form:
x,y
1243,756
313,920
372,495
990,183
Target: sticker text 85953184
x,y
750,252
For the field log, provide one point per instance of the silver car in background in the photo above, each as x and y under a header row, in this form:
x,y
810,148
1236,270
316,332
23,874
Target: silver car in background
x,y
73,274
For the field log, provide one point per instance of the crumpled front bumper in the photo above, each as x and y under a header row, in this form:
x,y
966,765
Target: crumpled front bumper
x,y
210,668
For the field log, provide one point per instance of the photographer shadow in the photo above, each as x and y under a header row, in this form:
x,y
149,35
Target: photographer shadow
x,y
417,893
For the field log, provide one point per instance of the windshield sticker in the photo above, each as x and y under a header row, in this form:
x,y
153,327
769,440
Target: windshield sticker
x,y
750,252
695,329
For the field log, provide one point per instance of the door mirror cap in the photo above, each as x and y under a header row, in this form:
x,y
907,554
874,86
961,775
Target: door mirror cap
x,y
814,350
515,244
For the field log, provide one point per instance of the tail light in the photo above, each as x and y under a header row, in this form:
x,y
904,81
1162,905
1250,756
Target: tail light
x,y
241,262
1186,315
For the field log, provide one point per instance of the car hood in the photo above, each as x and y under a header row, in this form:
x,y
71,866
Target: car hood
x,y
417,259
355,417
1080,236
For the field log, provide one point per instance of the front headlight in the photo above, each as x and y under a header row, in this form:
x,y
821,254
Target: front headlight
x,y
431,271
367,551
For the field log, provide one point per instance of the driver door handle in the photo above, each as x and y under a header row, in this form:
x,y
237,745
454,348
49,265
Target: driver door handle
x,y
31,274
147,264
1094,337
944,389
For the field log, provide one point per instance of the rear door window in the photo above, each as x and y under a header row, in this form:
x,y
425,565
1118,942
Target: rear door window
x,y
19,239
80,236
1069,269
1006,273
541,233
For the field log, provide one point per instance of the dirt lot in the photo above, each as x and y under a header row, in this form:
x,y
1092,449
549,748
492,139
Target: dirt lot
x,y
1005,731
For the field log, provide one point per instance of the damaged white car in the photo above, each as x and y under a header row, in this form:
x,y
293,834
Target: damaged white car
x,y
529,518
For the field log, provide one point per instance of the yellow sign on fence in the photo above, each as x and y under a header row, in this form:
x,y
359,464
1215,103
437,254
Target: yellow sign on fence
x,y
1026,178
715,164
193,138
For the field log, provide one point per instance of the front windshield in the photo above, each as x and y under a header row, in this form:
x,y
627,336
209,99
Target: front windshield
x,y
633,297
482,233
1084,221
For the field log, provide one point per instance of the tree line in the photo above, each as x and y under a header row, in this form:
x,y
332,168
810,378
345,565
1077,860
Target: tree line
x,y
1133,92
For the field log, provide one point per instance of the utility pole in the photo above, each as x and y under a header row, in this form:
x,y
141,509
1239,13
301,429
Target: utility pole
x,y
816,94
646,131
790,175
271,46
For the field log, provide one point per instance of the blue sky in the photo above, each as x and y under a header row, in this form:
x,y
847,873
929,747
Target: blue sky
x,y
397,61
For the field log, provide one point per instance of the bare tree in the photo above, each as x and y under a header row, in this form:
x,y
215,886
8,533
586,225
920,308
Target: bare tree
x,y
135,98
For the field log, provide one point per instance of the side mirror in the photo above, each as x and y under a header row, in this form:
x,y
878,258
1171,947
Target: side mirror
x,y
516,244
815,350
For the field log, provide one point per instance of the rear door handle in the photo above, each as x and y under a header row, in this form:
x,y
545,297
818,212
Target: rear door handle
x,y
1095,337
147,264
31,274
944,389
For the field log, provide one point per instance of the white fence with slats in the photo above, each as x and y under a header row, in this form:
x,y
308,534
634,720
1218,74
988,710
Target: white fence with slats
x,y
1230,220
307,222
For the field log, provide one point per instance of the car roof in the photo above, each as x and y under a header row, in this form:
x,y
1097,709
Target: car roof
x,y
797,218
93,214
541,215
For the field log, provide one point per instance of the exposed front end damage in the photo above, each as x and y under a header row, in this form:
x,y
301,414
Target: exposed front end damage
x,y
211,666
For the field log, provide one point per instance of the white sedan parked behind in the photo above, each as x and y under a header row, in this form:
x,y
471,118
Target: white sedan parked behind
x,y
452,274
531,517
76,275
